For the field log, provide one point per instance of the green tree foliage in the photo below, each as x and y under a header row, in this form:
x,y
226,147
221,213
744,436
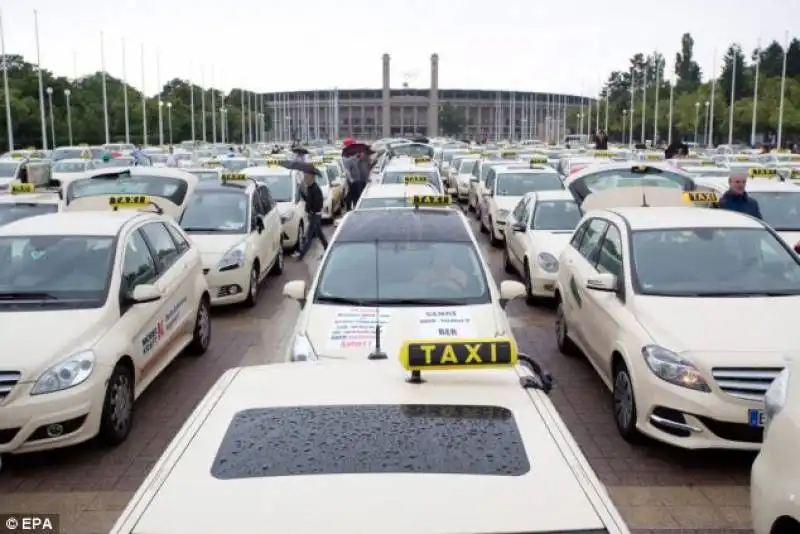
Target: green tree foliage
x,y
691,94
86,108
452,120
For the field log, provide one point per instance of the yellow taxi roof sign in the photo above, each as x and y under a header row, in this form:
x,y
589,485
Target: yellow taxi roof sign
x,y
233,177
602,154
458,353
538,160
509,154
705,197
273,162
129,201
422,159
431,200
408,180
795,174
211,164
708,163
18,188
757,172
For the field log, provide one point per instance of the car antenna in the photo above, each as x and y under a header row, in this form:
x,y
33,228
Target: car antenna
x,y
644,200
377,353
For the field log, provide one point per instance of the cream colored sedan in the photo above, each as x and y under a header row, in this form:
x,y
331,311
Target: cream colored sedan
x,y
416,272
775,480
91,317
539,228
284,189
637,296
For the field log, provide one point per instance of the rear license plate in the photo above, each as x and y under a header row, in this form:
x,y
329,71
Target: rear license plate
x,y
755,418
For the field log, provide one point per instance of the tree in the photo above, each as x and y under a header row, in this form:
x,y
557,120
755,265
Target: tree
x,y
733,60
86,109
686,68
452,120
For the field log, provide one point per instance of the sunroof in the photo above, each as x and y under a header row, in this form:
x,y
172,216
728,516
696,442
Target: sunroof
x,y
377,438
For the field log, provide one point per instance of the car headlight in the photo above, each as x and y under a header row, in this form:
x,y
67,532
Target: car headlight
x,y
286,217
775,397
671,368
233,259
66,374
547,262
502,215
302,351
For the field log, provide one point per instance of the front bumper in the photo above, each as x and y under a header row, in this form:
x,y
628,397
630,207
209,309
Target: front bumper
x,y
227,287
543,284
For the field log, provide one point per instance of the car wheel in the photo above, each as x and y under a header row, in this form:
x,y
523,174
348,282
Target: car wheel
x,y
300,236
201,338
507,267
478,215
624,403
117,418
277,265
492,239
565,345
252,288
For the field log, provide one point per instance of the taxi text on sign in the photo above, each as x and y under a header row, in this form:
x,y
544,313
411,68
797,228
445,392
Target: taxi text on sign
x,y
431,200
18,188
433,354
129,201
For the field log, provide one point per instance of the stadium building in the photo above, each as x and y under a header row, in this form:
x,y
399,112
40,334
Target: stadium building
x,y
388,112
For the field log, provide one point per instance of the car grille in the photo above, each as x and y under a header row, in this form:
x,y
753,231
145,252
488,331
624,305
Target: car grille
x,y
748,383
8,379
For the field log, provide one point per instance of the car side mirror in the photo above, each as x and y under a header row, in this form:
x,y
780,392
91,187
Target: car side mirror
x,y
518,227
296,290
258,224
602,282
510,290
144,293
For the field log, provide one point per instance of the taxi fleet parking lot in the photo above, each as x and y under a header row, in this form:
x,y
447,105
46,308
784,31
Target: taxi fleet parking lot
x,y
654,486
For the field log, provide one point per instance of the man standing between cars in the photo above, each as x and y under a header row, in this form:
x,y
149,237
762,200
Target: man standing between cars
x,y
314,201
352,175
737,199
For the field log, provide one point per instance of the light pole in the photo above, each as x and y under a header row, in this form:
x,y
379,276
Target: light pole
x,y
160,122
289,128
49,91
705,130
624,116
222,112
579,124
169,121
67,92
696,119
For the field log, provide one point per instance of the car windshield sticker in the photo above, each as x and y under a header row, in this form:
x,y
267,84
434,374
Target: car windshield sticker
x,y
354,328
448,322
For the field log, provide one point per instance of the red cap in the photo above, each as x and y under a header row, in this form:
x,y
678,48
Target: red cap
x,y
348,142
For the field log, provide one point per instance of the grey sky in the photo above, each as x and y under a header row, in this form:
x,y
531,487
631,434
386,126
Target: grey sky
x,y
527,45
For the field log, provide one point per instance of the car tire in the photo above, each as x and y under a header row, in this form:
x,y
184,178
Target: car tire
x,y
565,345
478,214
201,335
624,403
116,420
496,243
252,288
300,236
277,265
507,267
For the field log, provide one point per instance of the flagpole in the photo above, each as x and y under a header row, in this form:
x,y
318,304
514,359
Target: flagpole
x,y
605,123
191,102
733,99
644,103
633,94
241,92
105,92
783,94
655,109
671,104
755,97
160,103
710,138
144,102
41,82
125,93
203,102
6,93
213,110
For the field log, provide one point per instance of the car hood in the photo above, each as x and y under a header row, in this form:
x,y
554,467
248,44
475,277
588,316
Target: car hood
x,y
212,247
345,332
506,203
553,243
35,340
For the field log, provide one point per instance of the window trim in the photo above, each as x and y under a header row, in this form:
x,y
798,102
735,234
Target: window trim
x,y
602,236
121,295
159,267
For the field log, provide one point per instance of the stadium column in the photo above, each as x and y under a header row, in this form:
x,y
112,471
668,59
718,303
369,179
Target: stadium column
x,y
386,104
433,99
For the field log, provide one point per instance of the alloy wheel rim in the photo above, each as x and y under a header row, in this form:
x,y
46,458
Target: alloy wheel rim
x,y
120,402
623,399
204,324
253,284
559,322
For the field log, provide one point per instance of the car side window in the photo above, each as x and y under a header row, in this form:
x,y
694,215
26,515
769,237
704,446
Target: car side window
x,y
575,242
138,265
181,243
591,239
609,260
160,240
476,171
266,198
256,206
520,210
490,180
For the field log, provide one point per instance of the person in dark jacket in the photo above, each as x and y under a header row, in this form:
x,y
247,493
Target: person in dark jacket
x,y
601,141
312,195
737,199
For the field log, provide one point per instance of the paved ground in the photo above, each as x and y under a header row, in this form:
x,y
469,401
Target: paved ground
x,y
657,489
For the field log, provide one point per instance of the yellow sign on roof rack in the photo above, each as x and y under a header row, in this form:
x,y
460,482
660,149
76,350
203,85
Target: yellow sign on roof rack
x,y
329,159
212,164
602,154
419,160
18,188
408,180
509,154
431,200
447,354
129,201
695,197
233,177
758,172
271,162
538,160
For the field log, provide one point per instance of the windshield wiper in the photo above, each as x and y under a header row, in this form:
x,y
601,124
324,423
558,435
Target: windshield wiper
x,y
346,300
422,302
201,229
26,295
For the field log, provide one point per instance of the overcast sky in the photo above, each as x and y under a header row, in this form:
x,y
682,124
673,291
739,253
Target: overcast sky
x,y
568,46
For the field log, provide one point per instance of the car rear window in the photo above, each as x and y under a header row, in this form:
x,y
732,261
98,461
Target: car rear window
x,y
377,438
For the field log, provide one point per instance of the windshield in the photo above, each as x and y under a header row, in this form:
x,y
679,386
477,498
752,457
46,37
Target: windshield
x,y
206,175
158,158
400,177
69,166
218,211
233,165
390,202
67,153
281,186
118,162
172,189
780,209
746,261
710,172
555,215
611,179
467,166
72,271
413,150
410,271
516,185
13,211
8,170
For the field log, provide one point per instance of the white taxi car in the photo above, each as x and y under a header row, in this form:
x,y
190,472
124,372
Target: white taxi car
x,y
377,196
649,294
775,479
64,169
236,226
448,429
503,190
418,271
168,188
25,200
399,174
119,295
283,186
539,228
